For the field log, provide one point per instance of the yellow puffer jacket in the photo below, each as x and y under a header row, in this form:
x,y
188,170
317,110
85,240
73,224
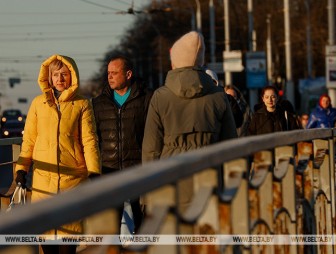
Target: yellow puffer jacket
x,y
59,138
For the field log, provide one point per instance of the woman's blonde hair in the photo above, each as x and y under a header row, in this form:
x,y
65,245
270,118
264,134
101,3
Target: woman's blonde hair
x,y
55,66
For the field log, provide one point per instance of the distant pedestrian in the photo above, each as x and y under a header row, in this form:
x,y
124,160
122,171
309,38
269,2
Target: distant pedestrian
x,y
236,111
271,116
244,107
188,112
324,115
304,120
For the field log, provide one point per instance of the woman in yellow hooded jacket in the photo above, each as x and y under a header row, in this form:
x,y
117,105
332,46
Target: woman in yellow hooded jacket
x,y
59,136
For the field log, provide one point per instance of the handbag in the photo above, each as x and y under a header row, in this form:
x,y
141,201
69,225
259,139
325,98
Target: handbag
x,y
18,197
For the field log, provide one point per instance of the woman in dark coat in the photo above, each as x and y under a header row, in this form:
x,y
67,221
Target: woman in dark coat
x,y
271,117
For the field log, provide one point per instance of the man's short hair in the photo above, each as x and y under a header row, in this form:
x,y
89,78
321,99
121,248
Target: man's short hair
x,y
128,64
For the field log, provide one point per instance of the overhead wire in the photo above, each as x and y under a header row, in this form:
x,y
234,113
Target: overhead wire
x,y
10,37
55,24
123,2
56,38
100,5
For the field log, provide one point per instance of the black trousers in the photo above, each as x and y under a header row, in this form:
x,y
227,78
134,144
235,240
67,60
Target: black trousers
x,y
59,249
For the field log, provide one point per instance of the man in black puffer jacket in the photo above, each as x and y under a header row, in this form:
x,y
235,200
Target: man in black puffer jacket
x,y
120,113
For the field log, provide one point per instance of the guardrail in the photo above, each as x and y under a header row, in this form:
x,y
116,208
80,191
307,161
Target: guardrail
x,y
274,184
9,152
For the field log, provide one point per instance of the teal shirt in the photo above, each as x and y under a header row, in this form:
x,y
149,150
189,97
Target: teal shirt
x,y
120,99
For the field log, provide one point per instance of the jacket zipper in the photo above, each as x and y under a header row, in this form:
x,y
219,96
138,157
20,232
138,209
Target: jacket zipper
x,y
58,109
120,142
119,132
58,106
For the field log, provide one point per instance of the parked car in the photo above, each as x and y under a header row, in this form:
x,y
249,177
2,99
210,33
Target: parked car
x,y
12,123
12,128
12,114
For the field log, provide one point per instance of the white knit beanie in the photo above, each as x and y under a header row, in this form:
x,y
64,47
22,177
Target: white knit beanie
x,y
188,51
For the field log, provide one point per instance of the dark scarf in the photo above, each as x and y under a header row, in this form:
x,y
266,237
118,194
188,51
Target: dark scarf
x,y
57,93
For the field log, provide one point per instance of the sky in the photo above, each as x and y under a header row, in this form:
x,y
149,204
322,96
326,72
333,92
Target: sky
x,y
33,30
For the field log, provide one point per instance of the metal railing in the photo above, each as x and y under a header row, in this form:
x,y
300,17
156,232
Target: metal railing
x,y
275,184
9,152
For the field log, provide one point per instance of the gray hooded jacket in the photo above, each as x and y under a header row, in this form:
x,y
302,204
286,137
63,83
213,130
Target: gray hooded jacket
x,y
189,112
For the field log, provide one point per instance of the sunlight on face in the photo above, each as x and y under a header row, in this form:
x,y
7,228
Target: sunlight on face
x,y
118,77
232,93
270,99
61,79
325,102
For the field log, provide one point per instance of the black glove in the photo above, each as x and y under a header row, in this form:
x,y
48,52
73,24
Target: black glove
x,y
93,176
21,178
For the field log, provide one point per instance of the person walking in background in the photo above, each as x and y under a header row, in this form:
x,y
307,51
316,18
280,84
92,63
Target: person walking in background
x,y
120,113
244,107
236,111
324,115
304,120
188,112
271,116
59,139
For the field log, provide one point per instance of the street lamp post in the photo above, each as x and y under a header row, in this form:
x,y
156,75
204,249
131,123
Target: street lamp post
x,y
212,32
331,21
227,37
289,84
253,92
331,35
269,49
250,23
198,16
308,35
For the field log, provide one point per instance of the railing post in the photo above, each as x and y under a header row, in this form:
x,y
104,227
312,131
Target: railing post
x,y
332,143
322,188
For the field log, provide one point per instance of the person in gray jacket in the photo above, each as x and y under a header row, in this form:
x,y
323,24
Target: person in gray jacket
x,y
188,112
